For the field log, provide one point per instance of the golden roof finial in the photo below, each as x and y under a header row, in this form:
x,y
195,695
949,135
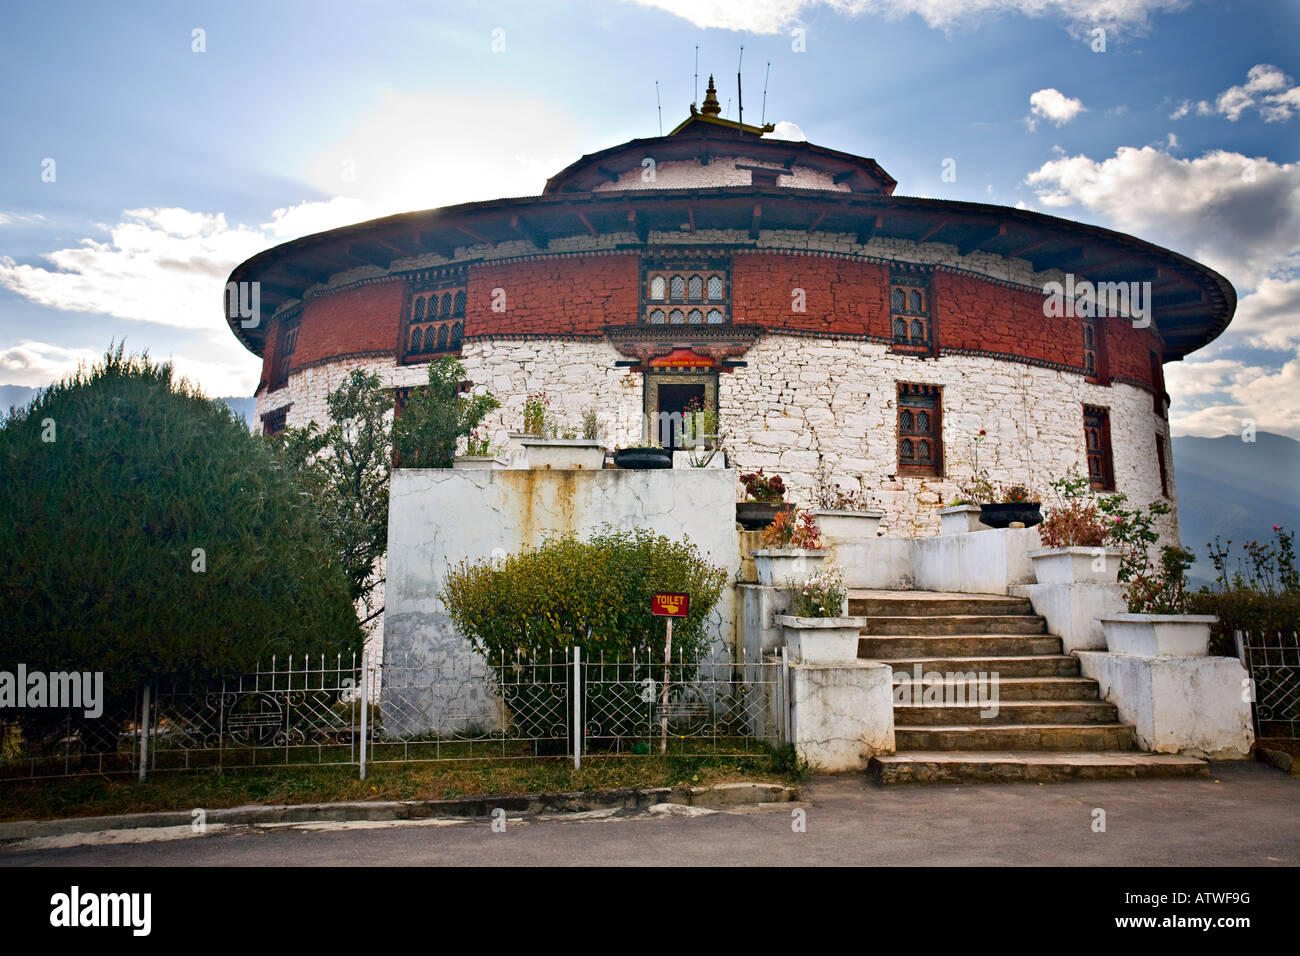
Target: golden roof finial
x,y
711,107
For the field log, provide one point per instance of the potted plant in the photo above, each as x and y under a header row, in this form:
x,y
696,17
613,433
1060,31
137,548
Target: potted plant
x,y
1074,536
792,548
841,513
764,498
1157,623
1014,503
819,631
549,445
699,425
480,453
963,513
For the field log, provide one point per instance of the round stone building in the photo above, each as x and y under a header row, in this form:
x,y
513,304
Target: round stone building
x,y
783,285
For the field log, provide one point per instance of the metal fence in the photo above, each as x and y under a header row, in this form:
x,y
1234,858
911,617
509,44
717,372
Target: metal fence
x,y
1272,660
357,713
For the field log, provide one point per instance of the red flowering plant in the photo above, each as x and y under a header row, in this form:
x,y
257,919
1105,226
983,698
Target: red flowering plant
x,y
793,529
761,487
1074,522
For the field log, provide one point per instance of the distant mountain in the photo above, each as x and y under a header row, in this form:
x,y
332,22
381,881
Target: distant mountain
x,y
1236,490
12,396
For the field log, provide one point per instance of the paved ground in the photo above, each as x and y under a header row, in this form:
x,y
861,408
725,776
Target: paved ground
x,y
1246,814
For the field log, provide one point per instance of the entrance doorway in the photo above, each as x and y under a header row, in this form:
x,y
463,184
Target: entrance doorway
x,y
674,401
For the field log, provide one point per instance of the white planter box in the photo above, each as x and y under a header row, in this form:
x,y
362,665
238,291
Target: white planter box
x,y
682,459
783,567
960,519
563,453
849,524
821,640
1076,565
477,463
1158,635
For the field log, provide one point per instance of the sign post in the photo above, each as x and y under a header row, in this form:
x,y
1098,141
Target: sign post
x,y
668,605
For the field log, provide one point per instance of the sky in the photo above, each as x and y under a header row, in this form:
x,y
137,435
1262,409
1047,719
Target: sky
x,y
149,148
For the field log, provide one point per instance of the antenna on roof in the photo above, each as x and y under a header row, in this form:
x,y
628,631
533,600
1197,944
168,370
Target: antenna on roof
x,y
740,99
763,118
660,104
697,74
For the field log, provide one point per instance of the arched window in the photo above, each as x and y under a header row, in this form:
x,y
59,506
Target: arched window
x,y
905,449
456,334
715,316
696,317
415,341
905,419
446,305
677,288
657,317
918,330
458,305
428,339
442,338
914,301
896,300
922,421
715,287
657,287
923,450
676,317
419,309
696,288
900,330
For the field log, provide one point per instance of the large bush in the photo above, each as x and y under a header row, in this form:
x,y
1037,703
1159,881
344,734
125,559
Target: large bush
x,y
595,593
436,416
112,479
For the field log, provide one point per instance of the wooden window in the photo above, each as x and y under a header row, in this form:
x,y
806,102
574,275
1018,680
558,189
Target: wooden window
x,y
1096,442
1157,385
274,422
1094,352
435,323
920,431
284,355
910,320
1160,460
688,286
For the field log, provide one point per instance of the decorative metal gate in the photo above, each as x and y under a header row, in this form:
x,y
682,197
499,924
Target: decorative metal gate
x,y
1272,660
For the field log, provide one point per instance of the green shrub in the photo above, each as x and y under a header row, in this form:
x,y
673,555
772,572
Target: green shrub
x,y
1258,593
98,531
595,593
436,415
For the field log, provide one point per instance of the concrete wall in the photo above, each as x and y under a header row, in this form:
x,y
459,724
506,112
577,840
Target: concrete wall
x,y
438,517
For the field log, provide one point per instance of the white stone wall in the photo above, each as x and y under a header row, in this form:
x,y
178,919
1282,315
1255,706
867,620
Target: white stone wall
x,y
720,171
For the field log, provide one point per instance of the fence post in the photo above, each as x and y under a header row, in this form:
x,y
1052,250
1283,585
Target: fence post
x,y
786,717
365,708
577,707
144,734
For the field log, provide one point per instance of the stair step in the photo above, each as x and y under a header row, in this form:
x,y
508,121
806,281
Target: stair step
x,y
954,624
888,603
1040,737
1019,665
1009,766
1018,688
1009,712
900,646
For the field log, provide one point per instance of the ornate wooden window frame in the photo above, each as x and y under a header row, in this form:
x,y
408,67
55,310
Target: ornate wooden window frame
x,y
913,399
904,287
1097,447
442,334
703,265
1093,332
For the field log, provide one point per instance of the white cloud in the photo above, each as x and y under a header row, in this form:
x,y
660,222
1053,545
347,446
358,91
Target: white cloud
x,y
1269,318
36,364
1052,104
1267,89
1213,397
777,16
1239,215
787,131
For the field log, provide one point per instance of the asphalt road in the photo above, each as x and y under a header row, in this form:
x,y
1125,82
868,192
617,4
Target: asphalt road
x,y
1246,814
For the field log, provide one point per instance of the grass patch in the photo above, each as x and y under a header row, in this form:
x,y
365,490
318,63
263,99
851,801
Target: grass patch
x,y
95,796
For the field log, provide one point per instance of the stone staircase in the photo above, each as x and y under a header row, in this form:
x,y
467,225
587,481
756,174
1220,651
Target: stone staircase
x,y
1049,725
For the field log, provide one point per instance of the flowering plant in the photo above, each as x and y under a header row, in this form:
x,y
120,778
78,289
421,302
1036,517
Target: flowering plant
x,y
1074,522
478,443
829,496
761,487
1014,494
793,529
535,407
821,595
